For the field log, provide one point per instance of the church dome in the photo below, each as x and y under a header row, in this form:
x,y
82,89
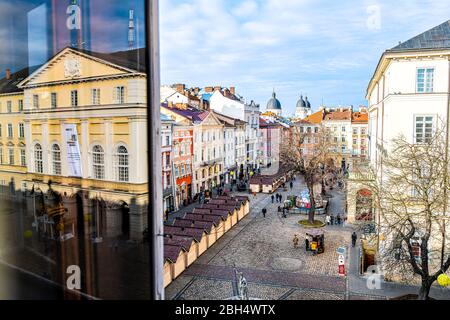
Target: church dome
x,y
274,103
308,105
301,103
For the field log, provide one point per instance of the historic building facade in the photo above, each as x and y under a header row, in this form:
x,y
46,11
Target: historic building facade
x,y
79,120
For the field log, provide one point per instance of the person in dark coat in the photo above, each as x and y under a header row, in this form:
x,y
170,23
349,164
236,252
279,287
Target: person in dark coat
x,y
264,211
291,185
354,238
339,219
273,197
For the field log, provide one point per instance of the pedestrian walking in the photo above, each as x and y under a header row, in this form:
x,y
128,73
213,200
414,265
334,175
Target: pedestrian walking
x,y
295,241
327,219
273,197
332,220
306,244
281,198
279,209
354,238
264,211
291,185
338,219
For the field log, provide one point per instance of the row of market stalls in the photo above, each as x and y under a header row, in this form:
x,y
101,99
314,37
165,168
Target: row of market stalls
x,y
188,237
270,183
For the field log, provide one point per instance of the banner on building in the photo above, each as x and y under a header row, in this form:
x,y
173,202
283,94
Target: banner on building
x,y
73,150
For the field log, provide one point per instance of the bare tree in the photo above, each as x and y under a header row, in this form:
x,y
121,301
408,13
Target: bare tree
x,y
411,199
310,154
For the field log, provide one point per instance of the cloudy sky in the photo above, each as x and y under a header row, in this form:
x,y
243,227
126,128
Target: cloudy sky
x,y
323,48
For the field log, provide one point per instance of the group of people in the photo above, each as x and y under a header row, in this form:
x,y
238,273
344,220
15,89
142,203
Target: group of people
x,y
332,220
278,197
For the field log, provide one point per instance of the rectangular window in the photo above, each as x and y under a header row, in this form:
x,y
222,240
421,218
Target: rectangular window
x,y
21,130
354,141
355,130
316,130
423,129
0,130
343,129
11,156
23,159
20,105
363,131
9,106
119,93
1,155
10,130
167,140
35,101
425,80
343,139
54,100
95,96
74,98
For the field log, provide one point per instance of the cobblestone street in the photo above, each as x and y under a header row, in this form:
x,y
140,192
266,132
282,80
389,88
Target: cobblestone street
x,y
262,249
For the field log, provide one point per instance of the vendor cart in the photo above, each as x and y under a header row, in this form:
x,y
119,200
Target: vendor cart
x,y
316,241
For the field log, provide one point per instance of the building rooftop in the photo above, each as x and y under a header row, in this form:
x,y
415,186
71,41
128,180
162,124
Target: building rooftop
x,y
339,115
315,118
435,38
360,117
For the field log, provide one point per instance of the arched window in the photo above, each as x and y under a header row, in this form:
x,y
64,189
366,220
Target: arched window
x,y
122,164
38,162
98,162
56,160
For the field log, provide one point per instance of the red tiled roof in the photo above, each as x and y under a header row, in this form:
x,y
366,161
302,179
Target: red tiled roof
x,y
339,115
315,118
360,117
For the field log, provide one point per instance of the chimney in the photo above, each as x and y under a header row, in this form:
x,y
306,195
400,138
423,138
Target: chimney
x,y
233,90
8,74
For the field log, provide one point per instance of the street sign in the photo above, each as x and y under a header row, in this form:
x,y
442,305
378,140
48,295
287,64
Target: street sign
x,y
342,270
341,265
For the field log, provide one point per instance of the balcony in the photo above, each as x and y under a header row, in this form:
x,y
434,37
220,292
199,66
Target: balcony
x,y
168,191
211,162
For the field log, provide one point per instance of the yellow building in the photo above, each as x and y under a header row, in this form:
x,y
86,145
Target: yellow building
x,y
79,122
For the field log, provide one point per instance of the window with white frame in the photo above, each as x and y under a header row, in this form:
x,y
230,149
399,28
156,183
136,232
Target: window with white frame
x,y
11,156
36,101
20,105
74,98
9,106
98,162
38,161
423,126
122,164
21,130
95,96
23,157
119,95
10,130
56,160
425,80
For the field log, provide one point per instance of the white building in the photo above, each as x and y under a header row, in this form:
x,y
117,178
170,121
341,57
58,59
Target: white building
x,y
409,94
227,103
409,90
234,146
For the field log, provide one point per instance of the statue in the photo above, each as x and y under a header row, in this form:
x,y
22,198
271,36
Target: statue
x,y
242,286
